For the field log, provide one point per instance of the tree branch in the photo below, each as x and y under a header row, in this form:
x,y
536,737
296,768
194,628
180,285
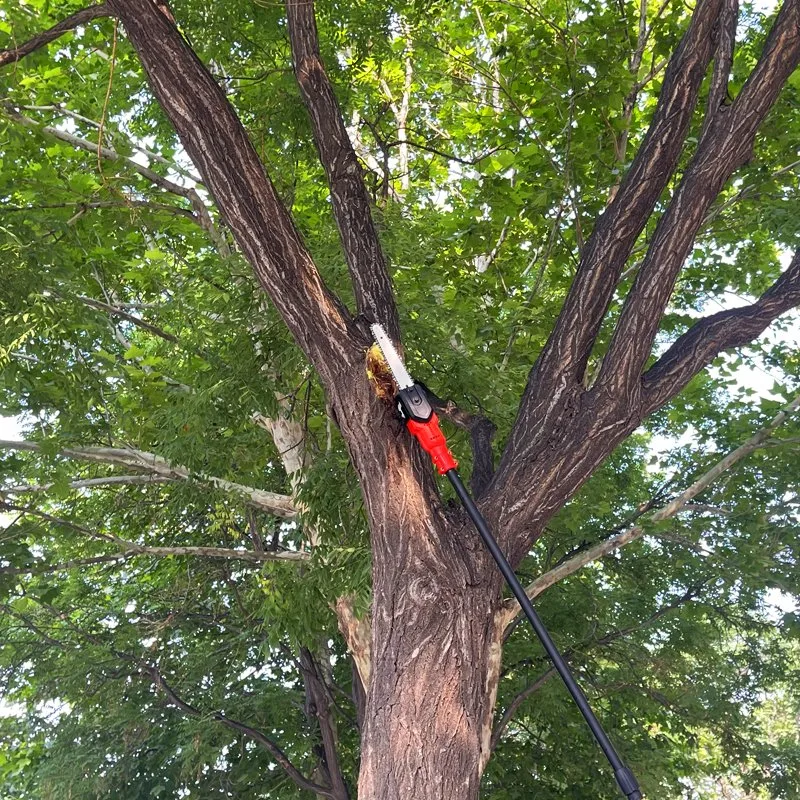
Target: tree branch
x,y
128,317
155,675
513,706
726,145
557,574
710,336
349,197
690,594
318,706
219,147
557,375
481,432
723,62
88,483
131,549
40,40
201,212
276,504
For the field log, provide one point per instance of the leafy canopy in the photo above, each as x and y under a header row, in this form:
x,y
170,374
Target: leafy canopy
x,y
129,323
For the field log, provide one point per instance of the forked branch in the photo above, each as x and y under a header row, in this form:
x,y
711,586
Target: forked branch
x,y
560,366
219,146
726,145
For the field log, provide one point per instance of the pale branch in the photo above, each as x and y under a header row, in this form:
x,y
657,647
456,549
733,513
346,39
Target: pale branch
x,y
277,504
62,566
62,110
220,148
725,146
543,582
201,212
558,372
350,200
40,40
87,483
710,336
134,550
130,549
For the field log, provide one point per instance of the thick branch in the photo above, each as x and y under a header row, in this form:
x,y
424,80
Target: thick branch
x,y
726,145
558,371
349,197
544,582
318,705
723,61
219,147
69,24
277,504
710,336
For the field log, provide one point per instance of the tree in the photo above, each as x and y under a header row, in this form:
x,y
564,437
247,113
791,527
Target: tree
x,y
621,161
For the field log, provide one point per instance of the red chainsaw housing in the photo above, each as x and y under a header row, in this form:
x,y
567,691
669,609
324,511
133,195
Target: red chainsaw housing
x,y
432,441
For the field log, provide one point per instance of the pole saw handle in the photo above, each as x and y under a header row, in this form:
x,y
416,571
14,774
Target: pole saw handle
x,y
432,441
416,411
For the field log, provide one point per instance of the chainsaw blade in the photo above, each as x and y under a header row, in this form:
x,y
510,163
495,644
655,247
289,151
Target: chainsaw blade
x,y
393,360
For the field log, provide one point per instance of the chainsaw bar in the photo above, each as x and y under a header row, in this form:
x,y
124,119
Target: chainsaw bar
x,y
392,358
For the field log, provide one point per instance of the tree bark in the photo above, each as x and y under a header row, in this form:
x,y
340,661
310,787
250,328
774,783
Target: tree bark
x,y
437,619
435,663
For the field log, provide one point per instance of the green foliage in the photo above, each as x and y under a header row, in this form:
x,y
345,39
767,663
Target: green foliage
x,y
516,122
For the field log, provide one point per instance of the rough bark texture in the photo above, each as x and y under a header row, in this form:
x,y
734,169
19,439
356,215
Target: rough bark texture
x,y
435,661
432,663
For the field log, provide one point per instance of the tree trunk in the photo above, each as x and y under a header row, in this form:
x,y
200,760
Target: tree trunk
x,y
435,656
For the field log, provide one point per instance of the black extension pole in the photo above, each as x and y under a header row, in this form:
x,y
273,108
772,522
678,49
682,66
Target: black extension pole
x,y
415,409
625,778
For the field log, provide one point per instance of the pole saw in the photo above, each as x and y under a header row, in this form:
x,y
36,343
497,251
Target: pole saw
x,y
414,408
